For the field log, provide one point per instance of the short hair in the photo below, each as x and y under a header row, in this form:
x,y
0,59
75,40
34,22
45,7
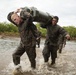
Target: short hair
x,y
9,17
56,17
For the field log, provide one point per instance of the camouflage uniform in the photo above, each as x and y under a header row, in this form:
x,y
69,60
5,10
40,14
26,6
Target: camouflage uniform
x,y
28,34
27,44
51,43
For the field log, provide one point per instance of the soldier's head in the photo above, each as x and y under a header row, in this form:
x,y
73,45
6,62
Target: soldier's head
x,y
14,18
55,20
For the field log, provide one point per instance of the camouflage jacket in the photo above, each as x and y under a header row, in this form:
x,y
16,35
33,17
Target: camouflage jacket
x,y
53,33
28,33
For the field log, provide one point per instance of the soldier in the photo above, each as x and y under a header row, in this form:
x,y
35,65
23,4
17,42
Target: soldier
x,y
38,39
51,43
28,37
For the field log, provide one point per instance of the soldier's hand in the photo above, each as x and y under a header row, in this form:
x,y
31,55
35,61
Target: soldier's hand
x,y
68,37
37,38
27,14
18,10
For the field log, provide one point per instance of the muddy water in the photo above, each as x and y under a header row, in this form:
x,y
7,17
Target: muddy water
x,y
65,63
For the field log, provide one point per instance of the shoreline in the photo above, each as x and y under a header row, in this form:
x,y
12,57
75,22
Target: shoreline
x,y
16,35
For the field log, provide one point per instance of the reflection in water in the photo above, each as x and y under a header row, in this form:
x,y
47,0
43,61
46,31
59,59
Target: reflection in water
x,y
65,64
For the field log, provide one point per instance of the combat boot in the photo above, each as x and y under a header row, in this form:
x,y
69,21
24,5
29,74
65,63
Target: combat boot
x,y
18,70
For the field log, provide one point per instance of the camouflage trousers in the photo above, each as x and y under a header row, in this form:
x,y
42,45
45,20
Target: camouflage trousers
x,y
30,51
50,50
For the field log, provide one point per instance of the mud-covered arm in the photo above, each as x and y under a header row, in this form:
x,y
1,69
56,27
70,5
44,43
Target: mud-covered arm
x,y
25,13
64,33
28,22
34,30
44,25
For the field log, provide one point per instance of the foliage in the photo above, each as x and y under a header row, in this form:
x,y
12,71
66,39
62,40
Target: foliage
x,y
71,30
42,30
10,28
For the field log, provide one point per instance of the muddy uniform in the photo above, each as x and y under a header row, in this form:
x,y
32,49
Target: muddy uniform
x,y
51,43
27,32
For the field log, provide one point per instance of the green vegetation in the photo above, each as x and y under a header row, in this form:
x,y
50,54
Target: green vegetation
x,y
42,30
71,30
10,29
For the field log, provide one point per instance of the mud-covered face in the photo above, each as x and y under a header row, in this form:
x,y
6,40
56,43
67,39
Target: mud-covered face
x,y
54,21
15,18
